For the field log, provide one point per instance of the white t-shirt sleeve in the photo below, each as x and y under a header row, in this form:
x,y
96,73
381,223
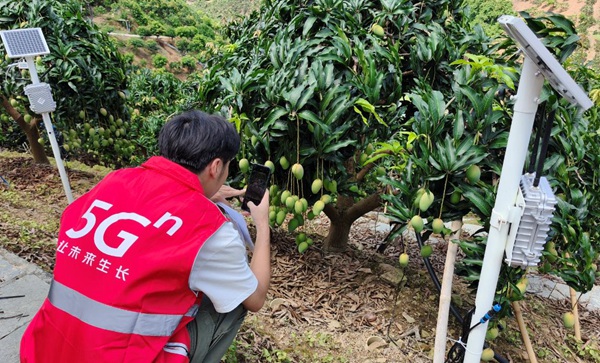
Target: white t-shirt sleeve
x,y
221,270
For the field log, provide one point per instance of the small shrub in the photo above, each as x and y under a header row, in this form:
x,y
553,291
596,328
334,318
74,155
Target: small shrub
x,y
128,57
159,61
144,30
189,62
152,45
183,45
107,29
186,31
198,43
136,43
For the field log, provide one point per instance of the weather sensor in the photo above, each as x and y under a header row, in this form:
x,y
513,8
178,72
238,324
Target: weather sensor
x,y
523,208
29,43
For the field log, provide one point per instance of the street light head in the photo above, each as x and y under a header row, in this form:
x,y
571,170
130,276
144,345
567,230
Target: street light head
x,y
535,50
22,43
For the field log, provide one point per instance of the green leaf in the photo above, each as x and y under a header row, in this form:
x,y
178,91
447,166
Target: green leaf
x,y
367,106
563,23
340,106
274,115
475,98
482,204
308,25
364,119
339,145
293,95
437,106
459,125
312,117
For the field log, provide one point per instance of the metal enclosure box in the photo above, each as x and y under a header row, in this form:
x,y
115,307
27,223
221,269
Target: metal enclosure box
x,y
535,223
40,97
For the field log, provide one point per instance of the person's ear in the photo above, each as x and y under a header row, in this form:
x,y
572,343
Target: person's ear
x,y
215,168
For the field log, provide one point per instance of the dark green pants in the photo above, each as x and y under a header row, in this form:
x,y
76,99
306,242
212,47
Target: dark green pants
x,y
212,333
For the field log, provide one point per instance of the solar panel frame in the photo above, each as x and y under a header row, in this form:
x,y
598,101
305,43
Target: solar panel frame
x,y
22,43
547,64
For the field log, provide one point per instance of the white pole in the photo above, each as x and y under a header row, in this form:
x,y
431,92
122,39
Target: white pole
x,y
526,104
56,151
32,70
50,130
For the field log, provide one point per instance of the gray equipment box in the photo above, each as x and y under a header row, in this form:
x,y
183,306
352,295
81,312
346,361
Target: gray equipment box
x,y
539,205
40,98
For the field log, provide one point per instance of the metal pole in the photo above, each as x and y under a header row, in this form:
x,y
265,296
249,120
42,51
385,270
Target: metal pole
x,y
50,130
526,104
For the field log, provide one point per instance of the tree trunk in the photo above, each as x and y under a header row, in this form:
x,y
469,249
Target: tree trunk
x,y
30,130
342,215
337,237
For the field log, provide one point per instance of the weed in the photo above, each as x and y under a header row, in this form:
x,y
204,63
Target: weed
x,y
275,356
587,350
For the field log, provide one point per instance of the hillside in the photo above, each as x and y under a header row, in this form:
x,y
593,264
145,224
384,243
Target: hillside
x,y
142,49
177,36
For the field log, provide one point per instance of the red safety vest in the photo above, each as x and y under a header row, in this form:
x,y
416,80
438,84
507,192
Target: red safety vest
x,y
121,283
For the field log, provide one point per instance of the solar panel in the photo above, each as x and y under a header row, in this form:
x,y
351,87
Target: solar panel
x,y
554,73
21,43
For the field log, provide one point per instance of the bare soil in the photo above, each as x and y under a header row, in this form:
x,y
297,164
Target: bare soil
x,y
320,308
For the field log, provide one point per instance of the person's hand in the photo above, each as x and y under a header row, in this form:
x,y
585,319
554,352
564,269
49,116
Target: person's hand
x,y
260,213
226,192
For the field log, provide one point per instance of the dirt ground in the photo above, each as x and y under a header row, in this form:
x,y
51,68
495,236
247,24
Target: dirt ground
x,y
320,308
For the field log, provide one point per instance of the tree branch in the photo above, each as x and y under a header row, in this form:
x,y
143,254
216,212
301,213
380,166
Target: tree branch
x,y
15,115
363,206
331,213
361,174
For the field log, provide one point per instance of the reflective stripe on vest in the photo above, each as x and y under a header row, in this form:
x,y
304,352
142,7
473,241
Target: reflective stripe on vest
x,y
113,319
176,348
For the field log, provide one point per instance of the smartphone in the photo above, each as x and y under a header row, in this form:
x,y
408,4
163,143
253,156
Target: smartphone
x,y
257,184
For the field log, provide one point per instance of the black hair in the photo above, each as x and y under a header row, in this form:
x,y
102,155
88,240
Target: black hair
x,y
194,138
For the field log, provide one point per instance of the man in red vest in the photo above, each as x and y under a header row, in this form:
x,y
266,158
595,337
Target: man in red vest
x,y
148,267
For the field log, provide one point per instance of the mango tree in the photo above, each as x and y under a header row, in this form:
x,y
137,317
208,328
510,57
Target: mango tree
x,y
87,75
314,84
449,159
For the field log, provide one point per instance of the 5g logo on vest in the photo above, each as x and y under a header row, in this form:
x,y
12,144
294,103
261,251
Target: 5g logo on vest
x,y
128,239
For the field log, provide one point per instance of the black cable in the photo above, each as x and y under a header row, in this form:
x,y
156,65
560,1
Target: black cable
x,y
464,322
456,354
490,314
434,277
538,135
544,150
